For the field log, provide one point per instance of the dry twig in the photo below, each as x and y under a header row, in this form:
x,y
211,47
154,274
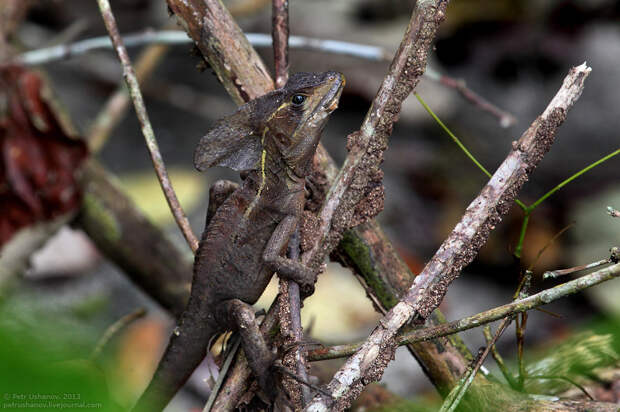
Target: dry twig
x,y
289,300
147,129
279,33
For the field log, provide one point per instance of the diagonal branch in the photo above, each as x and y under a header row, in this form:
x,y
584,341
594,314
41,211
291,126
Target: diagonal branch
x,y
220,40
457,251
147,129
361,168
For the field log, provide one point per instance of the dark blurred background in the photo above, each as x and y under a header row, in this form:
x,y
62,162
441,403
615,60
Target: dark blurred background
x,y
514,53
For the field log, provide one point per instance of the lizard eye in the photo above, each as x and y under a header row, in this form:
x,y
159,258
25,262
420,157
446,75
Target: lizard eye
x,y
298,99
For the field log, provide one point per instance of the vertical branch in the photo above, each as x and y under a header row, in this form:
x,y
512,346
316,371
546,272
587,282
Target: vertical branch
x,y
147,129
289,298
279,32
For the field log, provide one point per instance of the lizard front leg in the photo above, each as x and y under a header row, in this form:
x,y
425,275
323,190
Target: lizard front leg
x,y
288,268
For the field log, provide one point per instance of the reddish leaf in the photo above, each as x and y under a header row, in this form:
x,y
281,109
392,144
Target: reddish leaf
x,y
38,157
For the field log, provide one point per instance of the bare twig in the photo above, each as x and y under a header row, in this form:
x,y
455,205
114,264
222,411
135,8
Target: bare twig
x,y
454,399
551,274
498,358
291,328
290,300
474,321
613,258
175,37
114,329
147,129
459,249
218,384
116,106
342,48
505,119
279,32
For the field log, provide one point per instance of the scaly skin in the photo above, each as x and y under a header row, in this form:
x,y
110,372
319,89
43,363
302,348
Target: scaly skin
x,y
244,242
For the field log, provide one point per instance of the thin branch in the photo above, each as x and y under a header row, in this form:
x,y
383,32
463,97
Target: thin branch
x,y
454,399
342,48
117,104
292,331
614,257
498,358
290,300
508,310
279,33
459,249
505,119
113,329
220,379
176,37
552,274
147,129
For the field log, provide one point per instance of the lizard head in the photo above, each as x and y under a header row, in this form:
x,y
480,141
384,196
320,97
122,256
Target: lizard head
x,y
285,123
295,126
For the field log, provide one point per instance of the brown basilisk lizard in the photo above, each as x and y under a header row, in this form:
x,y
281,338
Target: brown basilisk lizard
x,y
275,137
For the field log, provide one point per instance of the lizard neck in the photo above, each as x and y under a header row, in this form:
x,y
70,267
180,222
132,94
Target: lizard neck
x,y
274,182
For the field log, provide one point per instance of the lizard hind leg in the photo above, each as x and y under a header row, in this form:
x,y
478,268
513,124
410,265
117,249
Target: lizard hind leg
x,y
240,316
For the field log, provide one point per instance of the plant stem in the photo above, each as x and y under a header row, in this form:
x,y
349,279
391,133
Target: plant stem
x,y
570,179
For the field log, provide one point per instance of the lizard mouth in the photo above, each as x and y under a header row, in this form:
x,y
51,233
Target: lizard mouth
x,y
331,98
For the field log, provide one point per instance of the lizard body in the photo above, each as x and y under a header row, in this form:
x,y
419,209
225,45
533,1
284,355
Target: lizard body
x,y
275,137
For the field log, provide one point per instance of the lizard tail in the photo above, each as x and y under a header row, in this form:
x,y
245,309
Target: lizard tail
x,y
186,349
